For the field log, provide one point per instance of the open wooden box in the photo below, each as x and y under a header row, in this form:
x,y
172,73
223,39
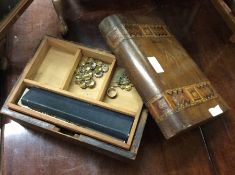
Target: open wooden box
x,y
52,68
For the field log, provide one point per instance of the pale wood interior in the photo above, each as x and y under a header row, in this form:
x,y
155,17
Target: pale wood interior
x,y
55,67
70,74
52,68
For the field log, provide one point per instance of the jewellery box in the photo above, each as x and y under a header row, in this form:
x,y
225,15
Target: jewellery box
x,y
46,97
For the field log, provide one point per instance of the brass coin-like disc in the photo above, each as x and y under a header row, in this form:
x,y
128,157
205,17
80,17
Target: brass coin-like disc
x,y
99,74
112,92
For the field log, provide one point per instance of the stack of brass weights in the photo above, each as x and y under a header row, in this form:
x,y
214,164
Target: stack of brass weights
x,y
87,70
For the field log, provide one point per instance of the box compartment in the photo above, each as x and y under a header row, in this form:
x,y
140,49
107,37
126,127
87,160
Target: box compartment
x,y
101,83
54,64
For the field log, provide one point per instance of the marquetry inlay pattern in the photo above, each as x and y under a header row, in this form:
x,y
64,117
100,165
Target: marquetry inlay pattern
x,y
187,96
128,31
143,30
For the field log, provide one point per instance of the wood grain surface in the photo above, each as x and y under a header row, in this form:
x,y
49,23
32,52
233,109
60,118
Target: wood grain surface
x,y
207,150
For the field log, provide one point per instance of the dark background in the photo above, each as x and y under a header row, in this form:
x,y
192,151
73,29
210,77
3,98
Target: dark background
x,y
209,149
6,6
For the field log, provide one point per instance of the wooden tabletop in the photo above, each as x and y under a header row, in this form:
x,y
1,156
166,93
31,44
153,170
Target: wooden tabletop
x,y
207,150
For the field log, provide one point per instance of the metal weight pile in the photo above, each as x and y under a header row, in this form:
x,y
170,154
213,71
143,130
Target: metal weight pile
x,y
87,70
124,82
121,81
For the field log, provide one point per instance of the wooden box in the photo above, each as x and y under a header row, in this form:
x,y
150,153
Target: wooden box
x,y
52,68
176,92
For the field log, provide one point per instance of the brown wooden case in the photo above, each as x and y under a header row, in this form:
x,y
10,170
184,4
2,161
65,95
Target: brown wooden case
x,y
59,59
176,92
